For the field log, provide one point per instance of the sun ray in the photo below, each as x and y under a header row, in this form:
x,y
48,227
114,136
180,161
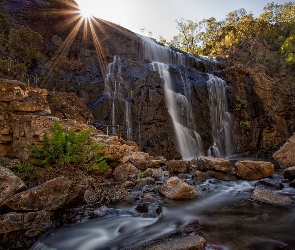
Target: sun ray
x,y
98,47
64,47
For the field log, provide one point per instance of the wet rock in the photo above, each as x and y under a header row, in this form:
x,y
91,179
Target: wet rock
x,y
149,198
210,163
104,212
174,188
143,207
33,223
268,183
285,156
221,175
9,184
51,195
200,176
125,171
289,173
292,183
155,173
186,243
177,166
269,197
144,182
254,170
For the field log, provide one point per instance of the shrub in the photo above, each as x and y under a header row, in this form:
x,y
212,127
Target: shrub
x,y
71,148
240,104
141,175
244,125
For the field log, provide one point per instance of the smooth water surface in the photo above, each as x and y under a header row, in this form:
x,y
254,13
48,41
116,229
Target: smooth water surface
x,y
223,214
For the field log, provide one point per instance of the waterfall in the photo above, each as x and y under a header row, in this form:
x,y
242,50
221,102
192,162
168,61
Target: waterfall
x,y
220,117
155,52
188,141
114,88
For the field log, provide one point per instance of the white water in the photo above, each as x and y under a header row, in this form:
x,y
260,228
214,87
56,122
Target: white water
x,y
221,120
114,88
188,141
154,52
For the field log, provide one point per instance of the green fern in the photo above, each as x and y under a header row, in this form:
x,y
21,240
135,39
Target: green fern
x,y
71,148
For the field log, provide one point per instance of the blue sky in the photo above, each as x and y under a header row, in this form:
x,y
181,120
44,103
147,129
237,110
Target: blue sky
x,y
158,16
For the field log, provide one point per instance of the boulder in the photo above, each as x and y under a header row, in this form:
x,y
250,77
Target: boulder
x,y
254,170
185,243
289,173
174,189
125,171
9,184
210,163
269,197
32,223
51,195
177,166
285,156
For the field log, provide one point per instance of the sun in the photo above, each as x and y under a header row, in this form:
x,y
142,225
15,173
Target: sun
x,y
85,10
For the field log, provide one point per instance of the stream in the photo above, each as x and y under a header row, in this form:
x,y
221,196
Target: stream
x,y
223,214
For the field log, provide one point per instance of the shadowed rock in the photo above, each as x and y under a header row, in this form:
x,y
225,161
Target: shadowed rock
x,y
269,197
186,243
285,156
289,173
51,195
9,184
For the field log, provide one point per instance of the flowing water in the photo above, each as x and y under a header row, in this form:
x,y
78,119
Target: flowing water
x,y
188,140
223,214
115,88
221,120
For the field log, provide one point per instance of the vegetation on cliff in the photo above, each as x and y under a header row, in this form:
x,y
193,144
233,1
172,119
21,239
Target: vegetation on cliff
x,y
274,28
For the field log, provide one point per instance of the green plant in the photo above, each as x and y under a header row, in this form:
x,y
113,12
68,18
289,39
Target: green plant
x,y
240,104
71,148
141,175
244,125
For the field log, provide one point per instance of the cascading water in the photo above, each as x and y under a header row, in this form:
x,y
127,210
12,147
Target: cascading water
x,y
221,119
188,141
115,90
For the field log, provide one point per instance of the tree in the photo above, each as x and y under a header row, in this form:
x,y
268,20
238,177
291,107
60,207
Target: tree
x,y
25,45
188,39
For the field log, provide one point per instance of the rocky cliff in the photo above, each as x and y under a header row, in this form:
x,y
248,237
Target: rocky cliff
x,y
113,71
